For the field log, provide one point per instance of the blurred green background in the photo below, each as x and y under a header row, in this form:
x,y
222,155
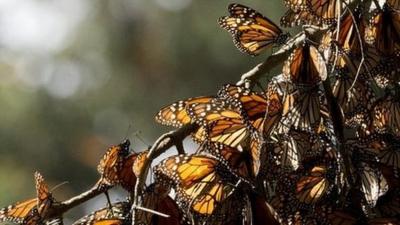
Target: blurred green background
x,y
76,73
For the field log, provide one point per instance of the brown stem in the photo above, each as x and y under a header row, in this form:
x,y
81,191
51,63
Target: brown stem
x,y
162,144
57,210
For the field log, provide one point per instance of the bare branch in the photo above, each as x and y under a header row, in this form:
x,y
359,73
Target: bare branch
x,y
58,209
161,145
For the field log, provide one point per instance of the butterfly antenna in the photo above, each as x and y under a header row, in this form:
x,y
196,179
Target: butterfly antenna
x,y
58,185
140,138
127,131
109,202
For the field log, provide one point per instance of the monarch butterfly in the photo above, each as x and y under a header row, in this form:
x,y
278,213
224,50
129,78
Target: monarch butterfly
x,y
126,176
117,214
244,163
228,212
156,197
273,112
386,148
349,39
32,211
311,188
305,66
117,167
354,97
321,11
390,157
383,31
387,114
373,184
252,32
176,115
301,110
298,17
112,163
292,148
201,182
224,124
139,161
261,111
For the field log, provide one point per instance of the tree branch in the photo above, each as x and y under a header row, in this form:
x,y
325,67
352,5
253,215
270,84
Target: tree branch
x,y
162,144
58,209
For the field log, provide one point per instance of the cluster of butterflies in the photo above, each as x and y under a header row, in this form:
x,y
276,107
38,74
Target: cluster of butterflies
x,y
276,155
279,145
118,167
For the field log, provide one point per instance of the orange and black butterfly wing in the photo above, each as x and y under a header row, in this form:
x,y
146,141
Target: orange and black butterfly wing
x,y
312,12
112,162
239,162
197,181
311,188
296,4
305,66
252,105
126,175
352,25
175,114
204,114
259,112
302,110
325,11
29,212
383,31
220,122
298,17
139,162
44,197
21,213
231,132
252,32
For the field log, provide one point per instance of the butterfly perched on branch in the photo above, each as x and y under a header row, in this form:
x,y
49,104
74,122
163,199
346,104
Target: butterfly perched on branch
x,y
177,115
203,181
32,211
116,167
312,12
251,31
383,31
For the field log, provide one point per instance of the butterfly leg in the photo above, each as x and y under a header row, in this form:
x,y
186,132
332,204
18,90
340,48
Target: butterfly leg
x,y
109,202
